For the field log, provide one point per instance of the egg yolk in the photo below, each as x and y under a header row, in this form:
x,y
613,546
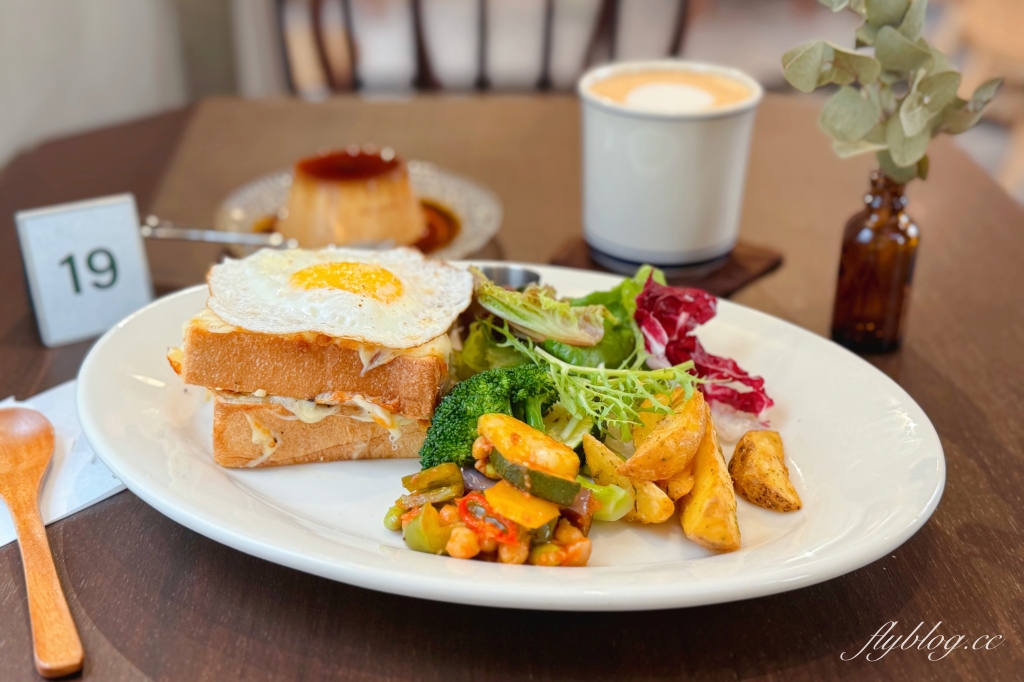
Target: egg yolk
x,y
363,279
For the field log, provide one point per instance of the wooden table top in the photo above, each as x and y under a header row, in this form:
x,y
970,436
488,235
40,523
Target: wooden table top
x,y
155,601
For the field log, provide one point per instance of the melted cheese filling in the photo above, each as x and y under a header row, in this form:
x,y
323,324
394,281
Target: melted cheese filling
x,y
371,356
351,405
262,437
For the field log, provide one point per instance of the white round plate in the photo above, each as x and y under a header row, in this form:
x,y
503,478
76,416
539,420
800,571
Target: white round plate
x,y
477,208
864,457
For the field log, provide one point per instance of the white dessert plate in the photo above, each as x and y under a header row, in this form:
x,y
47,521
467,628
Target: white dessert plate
x,y
477,208
863,455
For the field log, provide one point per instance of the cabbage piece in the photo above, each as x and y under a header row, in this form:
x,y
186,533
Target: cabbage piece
x,y
564,427
536,313
667,317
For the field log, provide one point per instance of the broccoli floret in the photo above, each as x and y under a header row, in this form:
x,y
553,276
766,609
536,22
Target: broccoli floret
x,y
526,388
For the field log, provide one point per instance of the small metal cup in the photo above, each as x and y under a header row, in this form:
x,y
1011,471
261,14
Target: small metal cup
x,y
512,276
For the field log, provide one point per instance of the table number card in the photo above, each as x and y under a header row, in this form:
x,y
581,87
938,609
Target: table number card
x,y
86,266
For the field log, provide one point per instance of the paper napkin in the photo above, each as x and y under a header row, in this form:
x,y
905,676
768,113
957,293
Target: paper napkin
x,y
76,478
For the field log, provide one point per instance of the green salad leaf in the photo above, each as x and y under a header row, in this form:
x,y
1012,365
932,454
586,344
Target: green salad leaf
x,y
622,341
480,352
538,314
621,344
608,397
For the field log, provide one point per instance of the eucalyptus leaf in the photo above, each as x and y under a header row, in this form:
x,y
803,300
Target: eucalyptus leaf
x,y
891,77
907,89
802,65
877,134
846,150
940,63
887,100
896,53
896,173
886,12
848,66
928,98
918,77
847,116
922,167
905,150
865,35
913,20
959,116
985,93
815,64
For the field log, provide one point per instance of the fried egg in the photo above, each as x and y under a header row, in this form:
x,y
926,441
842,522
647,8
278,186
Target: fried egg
x,y
395,298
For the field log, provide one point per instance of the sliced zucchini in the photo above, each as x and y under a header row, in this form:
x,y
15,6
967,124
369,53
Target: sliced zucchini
x,y
539,484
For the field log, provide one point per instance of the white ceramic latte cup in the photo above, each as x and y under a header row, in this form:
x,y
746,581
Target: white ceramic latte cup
x,y
663,188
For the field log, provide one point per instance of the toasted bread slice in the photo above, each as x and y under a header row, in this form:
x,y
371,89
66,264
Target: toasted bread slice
x,y
304,366
266,434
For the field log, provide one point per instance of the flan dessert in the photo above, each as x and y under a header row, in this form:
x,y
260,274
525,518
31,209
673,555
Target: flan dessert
x,y
353,196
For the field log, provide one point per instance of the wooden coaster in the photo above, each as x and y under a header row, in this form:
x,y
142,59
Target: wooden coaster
x,y
745,264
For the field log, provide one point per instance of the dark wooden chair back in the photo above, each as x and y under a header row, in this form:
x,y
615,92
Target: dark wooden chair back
x,y
320,42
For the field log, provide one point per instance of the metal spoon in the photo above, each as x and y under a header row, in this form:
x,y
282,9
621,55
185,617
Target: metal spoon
x,y
156,228
26,446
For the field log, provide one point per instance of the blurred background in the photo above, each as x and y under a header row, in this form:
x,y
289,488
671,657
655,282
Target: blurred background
x,y
75,65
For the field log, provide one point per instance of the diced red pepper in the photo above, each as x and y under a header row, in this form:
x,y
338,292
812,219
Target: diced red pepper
x,y
479,517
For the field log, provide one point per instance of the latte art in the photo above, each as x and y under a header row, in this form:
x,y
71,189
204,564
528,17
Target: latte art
x,y
665,91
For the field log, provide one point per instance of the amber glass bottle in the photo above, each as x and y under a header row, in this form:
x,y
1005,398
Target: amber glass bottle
x,y
875,271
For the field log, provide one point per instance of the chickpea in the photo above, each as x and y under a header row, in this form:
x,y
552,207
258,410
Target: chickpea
x,y
485,468
513,554
548,554
463,543
489,546
566,533
449,514
482,448
578,553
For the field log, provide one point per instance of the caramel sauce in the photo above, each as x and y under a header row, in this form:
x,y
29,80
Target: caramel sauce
x,y
442,226
265,225
348,165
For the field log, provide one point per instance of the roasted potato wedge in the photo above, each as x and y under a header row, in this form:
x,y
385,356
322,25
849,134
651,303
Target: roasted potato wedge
x,y
681,484
650,422
671,445
709,510
650,503
652,419
603,464
759,472
520,443
653,505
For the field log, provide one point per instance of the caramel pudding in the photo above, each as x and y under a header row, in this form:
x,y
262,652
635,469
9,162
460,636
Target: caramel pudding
x,y
672,91
351,197
442,226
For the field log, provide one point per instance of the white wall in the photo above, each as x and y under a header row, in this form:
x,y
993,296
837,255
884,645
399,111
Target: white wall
x,y
69,65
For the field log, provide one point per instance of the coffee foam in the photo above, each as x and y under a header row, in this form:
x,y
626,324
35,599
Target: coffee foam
x,y
669,91
669,98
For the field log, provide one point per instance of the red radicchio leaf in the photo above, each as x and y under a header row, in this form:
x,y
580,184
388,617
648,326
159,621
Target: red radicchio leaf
x,y
667,316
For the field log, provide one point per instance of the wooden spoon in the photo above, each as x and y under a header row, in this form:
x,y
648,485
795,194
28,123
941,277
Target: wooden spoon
x,y
26,445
